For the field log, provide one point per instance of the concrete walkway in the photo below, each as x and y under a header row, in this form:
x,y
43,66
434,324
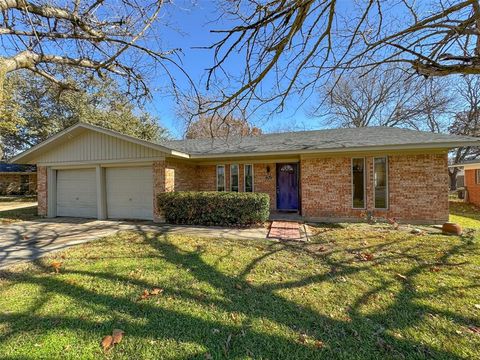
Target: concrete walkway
x,y
29,240
7,206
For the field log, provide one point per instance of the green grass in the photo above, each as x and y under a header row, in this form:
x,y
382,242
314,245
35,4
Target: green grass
x,y
249,299
17,199
464,214
11,216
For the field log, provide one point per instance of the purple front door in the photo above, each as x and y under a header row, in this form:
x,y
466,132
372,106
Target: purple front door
x,y
287,187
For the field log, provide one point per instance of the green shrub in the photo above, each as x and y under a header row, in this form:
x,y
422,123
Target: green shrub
x,y
214,208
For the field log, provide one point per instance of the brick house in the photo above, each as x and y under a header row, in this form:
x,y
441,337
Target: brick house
x,y
17,179
471,181
325,175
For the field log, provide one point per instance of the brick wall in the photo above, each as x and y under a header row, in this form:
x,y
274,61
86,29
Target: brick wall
x,y
10,183
172,175
418,188
264,181
206,177
473,188
180,176
42,196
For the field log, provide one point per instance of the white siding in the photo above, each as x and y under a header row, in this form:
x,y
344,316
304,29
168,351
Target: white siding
x,y
94,146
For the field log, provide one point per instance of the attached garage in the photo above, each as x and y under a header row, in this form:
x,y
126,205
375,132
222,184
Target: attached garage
x,y
76,193
129,192
91,172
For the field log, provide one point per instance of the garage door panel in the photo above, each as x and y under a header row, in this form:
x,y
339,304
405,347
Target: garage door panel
x,y
76,193
129,193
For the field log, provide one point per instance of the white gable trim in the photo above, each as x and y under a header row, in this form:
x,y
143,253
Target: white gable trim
x,y
36,150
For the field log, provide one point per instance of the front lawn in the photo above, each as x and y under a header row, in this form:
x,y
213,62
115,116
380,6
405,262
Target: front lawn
x,y
355,292
467,215
21,214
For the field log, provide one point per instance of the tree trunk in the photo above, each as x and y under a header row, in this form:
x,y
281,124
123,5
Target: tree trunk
x,y
452,173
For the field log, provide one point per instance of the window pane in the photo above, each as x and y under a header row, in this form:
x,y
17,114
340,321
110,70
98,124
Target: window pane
x,y
358,183
380,182
220,178
248,178
234,177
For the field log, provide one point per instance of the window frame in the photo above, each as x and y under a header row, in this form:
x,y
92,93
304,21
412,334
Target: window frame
x,y
477,177
244,178
364,183
231,177
387,190
224,178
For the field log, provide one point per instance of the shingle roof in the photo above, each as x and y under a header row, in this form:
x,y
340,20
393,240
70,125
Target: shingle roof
x,y
4,167
322,140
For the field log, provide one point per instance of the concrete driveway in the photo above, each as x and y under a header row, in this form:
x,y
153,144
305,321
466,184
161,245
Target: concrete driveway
x,y
29,240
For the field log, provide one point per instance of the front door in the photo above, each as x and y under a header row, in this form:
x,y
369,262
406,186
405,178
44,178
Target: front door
x,y
287,187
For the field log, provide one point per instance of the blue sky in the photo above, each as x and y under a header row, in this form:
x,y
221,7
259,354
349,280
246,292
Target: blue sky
x,y
193,24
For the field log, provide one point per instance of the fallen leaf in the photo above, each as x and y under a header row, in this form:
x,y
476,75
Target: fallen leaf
x,y
435,269
302,338
117,336
156,291
144,295
403,277
107,342
56,266
474,329
365,256
319,344
238,286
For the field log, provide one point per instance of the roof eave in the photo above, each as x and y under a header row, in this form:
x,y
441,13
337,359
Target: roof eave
x,y
422,146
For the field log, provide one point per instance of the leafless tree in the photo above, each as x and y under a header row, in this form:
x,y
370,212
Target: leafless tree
x,y
104,37
296,44
466,121
222,124
384,97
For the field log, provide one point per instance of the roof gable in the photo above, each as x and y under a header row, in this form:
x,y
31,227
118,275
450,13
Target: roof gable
x,y
85,142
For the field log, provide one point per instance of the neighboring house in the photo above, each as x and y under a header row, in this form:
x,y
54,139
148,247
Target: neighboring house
x,y
460,179
471,181
325,175
17,179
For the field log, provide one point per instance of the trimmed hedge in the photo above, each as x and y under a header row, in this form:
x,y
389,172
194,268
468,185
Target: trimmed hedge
x,y
214,208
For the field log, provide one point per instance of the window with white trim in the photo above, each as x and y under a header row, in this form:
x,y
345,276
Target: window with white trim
x,y
234,177
358,183
248,177
380,179
220,177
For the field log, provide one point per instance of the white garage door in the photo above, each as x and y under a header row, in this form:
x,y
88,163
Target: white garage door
x,y
129,193
76,193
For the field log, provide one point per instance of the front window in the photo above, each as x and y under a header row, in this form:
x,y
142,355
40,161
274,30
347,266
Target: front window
x,y
248,181
358,183
477,176
380,170
234,177
220,177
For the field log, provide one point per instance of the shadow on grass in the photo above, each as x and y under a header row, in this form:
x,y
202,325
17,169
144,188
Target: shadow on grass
x,y
361,337
22,214
461,208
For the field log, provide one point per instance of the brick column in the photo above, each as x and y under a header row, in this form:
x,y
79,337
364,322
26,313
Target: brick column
x,y
159,186
42,193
